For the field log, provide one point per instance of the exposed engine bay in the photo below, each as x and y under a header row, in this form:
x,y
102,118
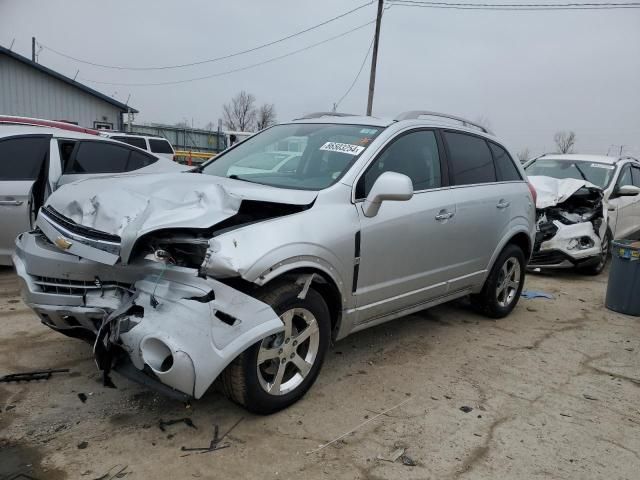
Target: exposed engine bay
x,y
571,221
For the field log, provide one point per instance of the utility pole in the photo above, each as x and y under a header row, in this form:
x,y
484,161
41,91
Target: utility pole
x,y
374,58
33,49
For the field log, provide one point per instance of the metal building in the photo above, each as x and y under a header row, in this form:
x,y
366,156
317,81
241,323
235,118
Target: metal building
x,y
29,89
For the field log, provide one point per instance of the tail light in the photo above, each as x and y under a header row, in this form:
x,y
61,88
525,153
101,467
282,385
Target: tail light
x,y
534,194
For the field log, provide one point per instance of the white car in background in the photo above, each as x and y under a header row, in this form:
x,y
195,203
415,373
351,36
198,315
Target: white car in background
x,y
157,145
36,160
584,202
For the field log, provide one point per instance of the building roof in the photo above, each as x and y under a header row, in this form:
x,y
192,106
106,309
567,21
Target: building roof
x,y
67,80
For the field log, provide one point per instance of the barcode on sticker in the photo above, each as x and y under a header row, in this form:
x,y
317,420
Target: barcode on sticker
x,y
342,148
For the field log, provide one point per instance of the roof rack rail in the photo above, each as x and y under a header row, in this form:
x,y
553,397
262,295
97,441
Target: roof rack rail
x,y
324,114
629,157
415,114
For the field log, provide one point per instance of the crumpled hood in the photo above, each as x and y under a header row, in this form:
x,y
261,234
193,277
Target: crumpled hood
x,y
132,205
552,191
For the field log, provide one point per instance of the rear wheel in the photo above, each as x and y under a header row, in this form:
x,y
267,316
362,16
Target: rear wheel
x,y
502,288
278,370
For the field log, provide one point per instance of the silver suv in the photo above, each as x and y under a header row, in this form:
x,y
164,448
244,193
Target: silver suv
x,y
246,277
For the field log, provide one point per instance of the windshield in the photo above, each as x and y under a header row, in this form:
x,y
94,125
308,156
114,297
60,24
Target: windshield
x,y
597,173
303,156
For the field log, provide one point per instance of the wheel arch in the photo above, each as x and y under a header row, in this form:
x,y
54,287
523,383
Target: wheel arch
x,y
323,281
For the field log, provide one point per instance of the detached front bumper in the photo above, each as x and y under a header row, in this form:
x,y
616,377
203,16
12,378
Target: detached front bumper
x,y
172,325
561,251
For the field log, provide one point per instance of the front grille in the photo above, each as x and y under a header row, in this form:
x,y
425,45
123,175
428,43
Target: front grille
x,y
73,227
62,286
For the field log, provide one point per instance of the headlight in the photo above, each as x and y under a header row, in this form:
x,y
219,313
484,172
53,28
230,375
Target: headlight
x,y
580,243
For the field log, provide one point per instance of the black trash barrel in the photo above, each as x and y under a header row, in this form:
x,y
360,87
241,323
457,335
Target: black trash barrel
x,y
623,291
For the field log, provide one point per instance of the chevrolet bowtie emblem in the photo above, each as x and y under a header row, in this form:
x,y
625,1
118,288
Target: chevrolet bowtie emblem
x,y
63,243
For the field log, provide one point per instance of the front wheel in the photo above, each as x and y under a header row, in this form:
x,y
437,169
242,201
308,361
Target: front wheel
x,y
605,248
502,288
278,370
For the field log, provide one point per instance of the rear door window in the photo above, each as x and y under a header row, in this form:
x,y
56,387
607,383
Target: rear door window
x,y
22,158
470,160
99,157
135,141
506,170
160,146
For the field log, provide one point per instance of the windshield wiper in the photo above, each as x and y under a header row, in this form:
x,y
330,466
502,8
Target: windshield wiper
x,y
197,169
581,172
236,177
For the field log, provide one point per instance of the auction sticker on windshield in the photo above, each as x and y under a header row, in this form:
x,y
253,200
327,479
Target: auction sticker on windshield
x,y
342,148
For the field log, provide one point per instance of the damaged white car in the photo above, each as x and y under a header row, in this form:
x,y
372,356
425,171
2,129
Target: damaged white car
x,y
584,202
244,276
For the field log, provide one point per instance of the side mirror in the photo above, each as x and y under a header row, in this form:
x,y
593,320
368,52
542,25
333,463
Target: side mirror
x,y
388,186
627,191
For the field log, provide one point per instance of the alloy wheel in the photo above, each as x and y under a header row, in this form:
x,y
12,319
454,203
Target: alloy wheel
x,y
508,282
286,358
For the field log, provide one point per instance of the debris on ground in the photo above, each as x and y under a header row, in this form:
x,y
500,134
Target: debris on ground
x,y
167,423
530,294
466,409
82,445
82,397
395,455
30,376
118,473
588,397
216,442
408,461
358,426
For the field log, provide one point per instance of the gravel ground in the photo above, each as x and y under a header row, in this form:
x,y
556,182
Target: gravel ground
x,y
552,391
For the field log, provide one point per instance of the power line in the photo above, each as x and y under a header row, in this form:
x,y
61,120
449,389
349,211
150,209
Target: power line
x,y
211,60
364,61
220,74
517,6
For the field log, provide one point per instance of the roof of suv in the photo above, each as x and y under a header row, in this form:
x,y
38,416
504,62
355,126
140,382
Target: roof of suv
x,y
409,118
7,130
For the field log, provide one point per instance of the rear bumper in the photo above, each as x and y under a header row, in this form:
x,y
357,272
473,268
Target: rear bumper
x,y
162,318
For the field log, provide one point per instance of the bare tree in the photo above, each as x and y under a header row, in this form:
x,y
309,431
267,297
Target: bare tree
x,y
266,116
240,113
524,155
565,141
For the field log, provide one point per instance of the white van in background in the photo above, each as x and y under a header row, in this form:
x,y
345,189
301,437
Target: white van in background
x,y
157,145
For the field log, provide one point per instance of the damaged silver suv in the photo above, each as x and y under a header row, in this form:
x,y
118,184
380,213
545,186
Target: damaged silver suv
x,y
246,268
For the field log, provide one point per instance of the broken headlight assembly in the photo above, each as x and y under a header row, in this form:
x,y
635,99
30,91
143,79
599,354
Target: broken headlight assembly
x,y
580,243
176,249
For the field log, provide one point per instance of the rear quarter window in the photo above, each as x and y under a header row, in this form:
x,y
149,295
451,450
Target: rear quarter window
x,y
470,159
160,146
506,171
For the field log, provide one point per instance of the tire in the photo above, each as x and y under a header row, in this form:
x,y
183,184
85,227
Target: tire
x,y
253,384
597,268
496,302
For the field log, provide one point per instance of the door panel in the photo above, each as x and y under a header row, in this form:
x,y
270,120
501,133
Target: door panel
x,y
484,211
14,214
22,163
404,253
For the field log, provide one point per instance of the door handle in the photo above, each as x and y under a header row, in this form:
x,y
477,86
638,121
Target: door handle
x,y
444,216
502,204
13,203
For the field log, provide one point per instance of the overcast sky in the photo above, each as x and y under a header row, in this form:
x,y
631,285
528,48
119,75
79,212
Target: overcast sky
x,y
529,73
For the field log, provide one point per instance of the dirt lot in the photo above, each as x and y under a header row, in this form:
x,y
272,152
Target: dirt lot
x,y
554,391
